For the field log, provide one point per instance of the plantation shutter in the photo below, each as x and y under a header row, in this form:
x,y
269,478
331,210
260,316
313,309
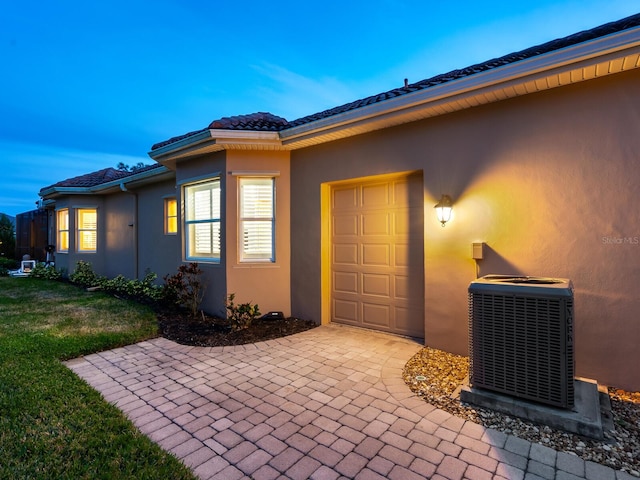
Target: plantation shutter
x,y
203,220
257,219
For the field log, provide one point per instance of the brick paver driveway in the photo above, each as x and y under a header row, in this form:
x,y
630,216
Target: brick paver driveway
x,y
324,404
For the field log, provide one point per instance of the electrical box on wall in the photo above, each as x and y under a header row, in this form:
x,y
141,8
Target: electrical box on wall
x,y
477,251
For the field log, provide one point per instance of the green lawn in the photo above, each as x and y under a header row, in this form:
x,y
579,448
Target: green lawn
x,y
52,424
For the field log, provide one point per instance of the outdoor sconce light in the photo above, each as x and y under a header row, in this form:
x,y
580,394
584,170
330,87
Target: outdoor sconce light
x,y
443,209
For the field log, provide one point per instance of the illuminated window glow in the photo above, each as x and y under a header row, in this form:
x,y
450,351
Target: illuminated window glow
x,y
62,227
170,216
87,229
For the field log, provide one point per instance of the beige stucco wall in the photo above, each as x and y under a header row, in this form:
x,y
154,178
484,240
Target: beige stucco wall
x,y
549,181
264,284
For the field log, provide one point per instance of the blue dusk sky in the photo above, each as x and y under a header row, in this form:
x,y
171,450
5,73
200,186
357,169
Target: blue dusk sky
x,y
88,84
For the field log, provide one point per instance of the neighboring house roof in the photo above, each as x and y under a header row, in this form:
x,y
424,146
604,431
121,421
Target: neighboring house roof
x,y
269,122
94,181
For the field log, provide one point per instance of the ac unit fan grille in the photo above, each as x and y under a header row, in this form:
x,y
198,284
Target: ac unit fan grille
x,y
523,346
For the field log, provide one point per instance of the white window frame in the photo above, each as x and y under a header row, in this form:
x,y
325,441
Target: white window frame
x,y
170,220
256,214
85,231
62,230
202,220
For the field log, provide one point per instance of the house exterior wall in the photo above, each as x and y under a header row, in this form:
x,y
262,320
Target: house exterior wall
x,y
157,252
266,284
67,261
117,251
213,274
547,180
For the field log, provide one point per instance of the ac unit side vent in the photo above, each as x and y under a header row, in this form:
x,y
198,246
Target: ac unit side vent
x,y
522,345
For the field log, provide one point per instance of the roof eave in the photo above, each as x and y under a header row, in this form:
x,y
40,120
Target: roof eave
x,y
134,180
391,110
211,140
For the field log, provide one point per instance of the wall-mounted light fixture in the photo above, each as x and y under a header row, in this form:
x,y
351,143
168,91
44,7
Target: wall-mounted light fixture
x,y
443,209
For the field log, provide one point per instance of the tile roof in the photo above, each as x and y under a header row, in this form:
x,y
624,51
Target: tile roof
x,y
601,31
267,121
260,121
255,121
105,175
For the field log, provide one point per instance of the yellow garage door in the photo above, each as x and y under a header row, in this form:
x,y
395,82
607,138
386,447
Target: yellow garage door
x,y
377,255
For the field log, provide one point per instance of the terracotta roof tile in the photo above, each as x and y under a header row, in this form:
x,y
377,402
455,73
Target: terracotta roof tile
x,y
267,121
98,178
255,121
260,121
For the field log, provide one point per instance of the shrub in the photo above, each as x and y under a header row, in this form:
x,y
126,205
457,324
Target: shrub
x,y
185,288
45,272
240,316
85,276
141,290
8,263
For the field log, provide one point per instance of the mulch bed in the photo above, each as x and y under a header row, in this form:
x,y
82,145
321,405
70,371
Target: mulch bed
x,y
208,331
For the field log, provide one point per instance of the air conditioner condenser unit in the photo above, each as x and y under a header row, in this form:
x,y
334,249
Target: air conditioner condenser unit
x,y
521,337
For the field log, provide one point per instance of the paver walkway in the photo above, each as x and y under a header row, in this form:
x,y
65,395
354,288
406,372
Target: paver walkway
x,y
328,403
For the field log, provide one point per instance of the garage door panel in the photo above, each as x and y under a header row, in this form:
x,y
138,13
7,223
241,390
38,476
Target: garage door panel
x,y
345,254
345,282
376,255
345,311
401,257
345,197
375,195
376,315
376,224
376,284
401,222
345,225
402,287
406,322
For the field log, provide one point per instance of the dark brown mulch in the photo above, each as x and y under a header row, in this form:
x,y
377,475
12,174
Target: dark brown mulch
x,y
210,331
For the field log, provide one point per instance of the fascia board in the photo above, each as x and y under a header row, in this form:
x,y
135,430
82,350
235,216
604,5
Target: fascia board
x,y
63,190
221,137
101,188
178,145
142,177
564,57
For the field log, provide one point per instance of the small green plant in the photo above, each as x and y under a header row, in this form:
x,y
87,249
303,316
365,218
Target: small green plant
x,y
84,275
45,272
185,288
7,264
240,316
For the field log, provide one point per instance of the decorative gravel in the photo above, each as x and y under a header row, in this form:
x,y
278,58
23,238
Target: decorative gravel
x,y
434,375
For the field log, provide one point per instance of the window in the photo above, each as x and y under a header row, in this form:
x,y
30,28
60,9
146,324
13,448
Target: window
x,y
62,226
170,216
87,228
202,220
256,234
